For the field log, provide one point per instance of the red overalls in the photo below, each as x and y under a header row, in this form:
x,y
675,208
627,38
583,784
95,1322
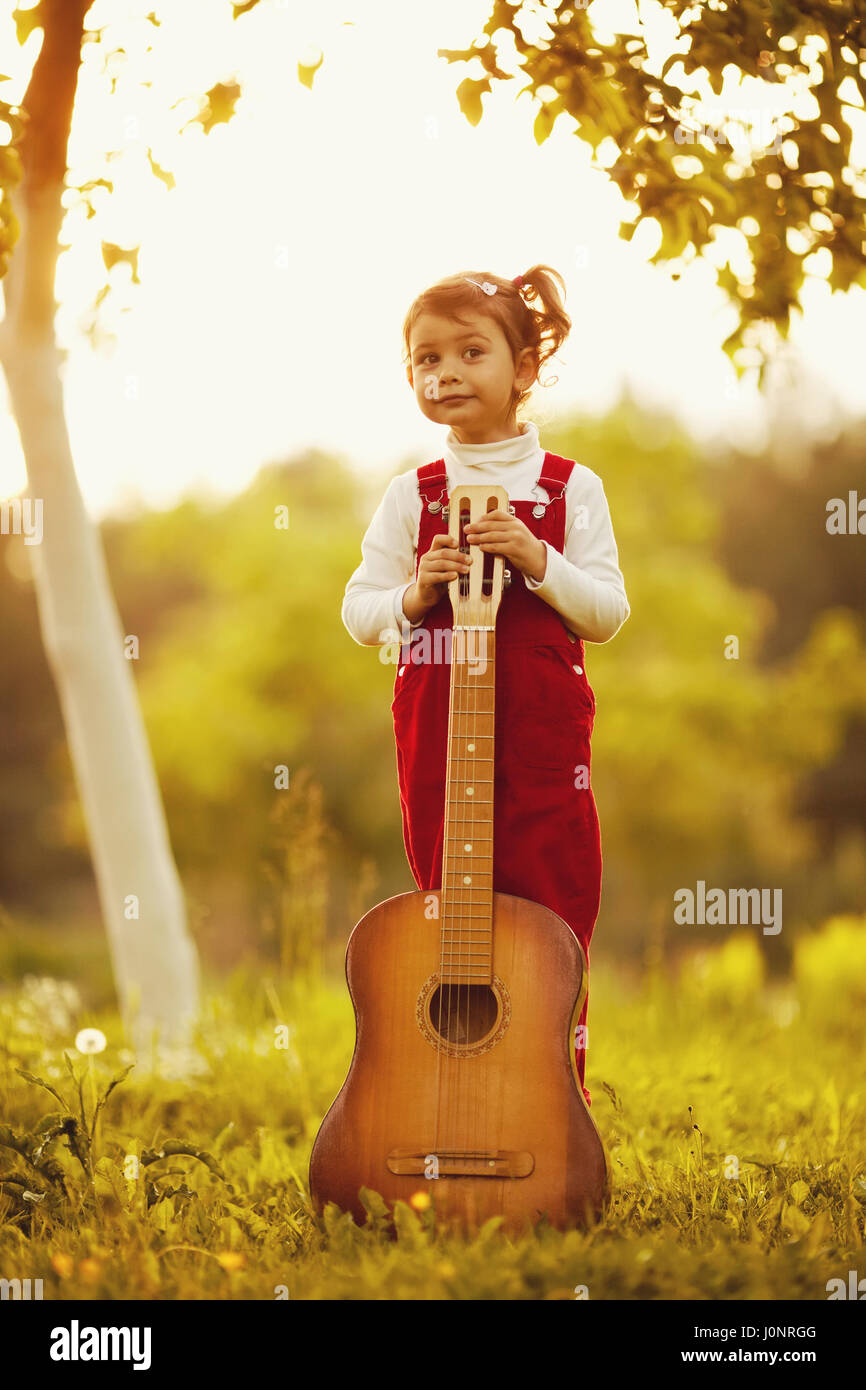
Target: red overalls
x,y
546,842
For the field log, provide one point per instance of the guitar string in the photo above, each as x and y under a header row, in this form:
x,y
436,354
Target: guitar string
x,y
462,717
452,1028
461,637
452,818
443,901
475,762
445,893
470,837
488,645
457,738
475,677
472,770
487,648
477,637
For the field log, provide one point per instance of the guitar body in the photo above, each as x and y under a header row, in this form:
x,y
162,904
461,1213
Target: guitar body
x,y
469,1094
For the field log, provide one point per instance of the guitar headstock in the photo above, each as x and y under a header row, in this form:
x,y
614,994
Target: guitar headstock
x,y
475,597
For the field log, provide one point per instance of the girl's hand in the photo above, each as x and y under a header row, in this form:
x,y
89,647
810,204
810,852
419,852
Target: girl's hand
x,y
500,533
437,567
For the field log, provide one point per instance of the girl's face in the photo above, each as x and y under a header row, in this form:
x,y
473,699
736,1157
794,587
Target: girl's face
x,y
463,376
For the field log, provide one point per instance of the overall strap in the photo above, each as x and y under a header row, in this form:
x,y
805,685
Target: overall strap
x,y
433,485
554,476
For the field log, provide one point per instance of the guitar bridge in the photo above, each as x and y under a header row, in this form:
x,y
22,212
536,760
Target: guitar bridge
x,y
462,1163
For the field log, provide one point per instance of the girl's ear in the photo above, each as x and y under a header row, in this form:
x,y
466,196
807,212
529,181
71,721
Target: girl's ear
x,y
527,366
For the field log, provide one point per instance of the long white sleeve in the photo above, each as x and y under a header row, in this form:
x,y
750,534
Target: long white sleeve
x,y
584,584
373,602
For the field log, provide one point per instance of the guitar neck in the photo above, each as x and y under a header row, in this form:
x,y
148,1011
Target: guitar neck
x,y
467,859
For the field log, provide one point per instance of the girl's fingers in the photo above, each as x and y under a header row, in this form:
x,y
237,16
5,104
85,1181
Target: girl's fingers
x,y
442,556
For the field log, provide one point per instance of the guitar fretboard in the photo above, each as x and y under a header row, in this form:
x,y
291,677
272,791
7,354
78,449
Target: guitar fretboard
x,y
467,863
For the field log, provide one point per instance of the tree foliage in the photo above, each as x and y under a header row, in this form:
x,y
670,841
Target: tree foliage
x,y
802,195
245,666
798,201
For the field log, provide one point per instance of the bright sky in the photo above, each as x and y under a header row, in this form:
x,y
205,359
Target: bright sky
x,y
276,275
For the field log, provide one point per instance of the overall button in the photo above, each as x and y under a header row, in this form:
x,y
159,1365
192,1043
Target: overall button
x,y
578,669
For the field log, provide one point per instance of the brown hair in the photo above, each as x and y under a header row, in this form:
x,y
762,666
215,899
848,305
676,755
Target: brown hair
x,y
544,328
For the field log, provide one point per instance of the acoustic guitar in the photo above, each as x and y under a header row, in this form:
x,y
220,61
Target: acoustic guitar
x,y
463,1082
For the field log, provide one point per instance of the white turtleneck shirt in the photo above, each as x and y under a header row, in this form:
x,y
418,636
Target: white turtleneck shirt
x,y
583,583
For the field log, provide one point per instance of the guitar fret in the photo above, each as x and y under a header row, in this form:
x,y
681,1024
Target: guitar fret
x,y
478,916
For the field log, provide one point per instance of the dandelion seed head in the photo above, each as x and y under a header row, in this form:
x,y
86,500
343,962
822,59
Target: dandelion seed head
x,y
90,1040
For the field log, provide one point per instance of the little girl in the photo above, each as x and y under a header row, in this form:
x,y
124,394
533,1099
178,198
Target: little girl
x,y
474,346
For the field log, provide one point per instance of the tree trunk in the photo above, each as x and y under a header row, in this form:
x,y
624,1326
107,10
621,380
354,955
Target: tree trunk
x,y
155,963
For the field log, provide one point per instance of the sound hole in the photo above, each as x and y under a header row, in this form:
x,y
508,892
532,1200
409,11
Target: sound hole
x,y
463,1014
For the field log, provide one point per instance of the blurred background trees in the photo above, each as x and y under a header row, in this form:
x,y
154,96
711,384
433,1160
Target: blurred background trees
x,y
746,772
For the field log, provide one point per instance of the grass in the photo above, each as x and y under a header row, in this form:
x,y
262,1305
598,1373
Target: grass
x,y
733,1114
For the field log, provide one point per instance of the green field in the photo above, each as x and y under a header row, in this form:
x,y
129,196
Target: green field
x,y
733,1113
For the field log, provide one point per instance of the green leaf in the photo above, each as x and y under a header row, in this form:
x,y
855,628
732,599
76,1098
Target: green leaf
x,y
164,175
220,105
25,22
113,255
469,96
306,73
544,123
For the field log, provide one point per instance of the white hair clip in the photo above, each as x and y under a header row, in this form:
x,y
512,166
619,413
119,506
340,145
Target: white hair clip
x,y
485,285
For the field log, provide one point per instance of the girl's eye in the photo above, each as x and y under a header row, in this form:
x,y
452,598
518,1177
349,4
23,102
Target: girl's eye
x,y
427,356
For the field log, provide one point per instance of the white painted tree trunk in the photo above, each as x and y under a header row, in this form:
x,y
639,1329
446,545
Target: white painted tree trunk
x,y
154,959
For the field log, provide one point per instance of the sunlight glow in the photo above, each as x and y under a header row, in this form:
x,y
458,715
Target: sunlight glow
x,y
276,275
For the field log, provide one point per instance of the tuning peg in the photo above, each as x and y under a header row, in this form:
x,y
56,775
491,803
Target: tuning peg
x,y
506,578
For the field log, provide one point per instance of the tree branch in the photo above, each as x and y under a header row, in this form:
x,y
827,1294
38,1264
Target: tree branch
x,y
47,106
